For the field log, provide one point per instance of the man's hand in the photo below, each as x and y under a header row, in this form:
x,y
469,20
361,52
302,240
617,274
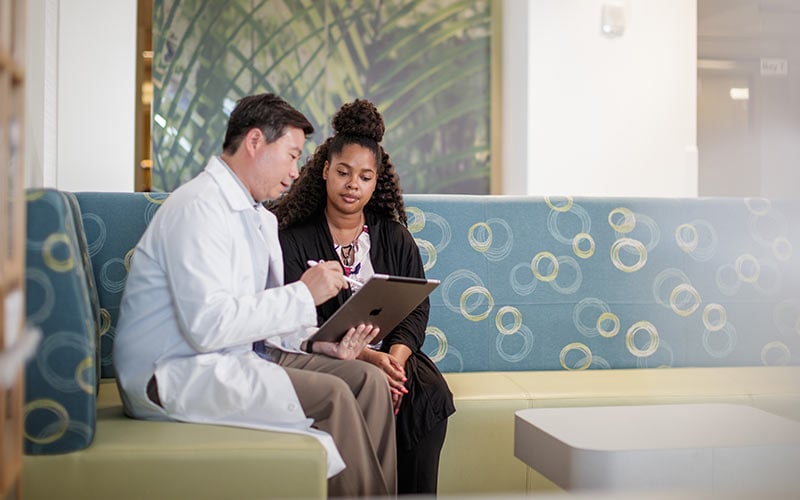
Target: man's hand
x,y
351,345
324,280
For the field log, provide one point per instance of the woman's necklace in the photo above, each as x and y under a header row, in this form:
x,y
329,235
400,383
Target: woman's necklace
x,y
348,251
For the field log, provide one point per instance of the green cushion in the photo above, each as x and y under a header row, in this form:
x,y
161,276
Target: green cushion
x,y
139,459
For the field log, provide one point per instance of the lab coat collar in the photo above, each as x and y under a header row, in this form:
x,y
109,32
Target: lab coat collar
x,y
232,191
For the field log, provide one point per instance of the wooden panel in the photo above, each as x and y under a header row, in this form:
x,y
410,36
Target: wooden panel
x,y
12,237
12,435
5,202
15,181
5,24
18,32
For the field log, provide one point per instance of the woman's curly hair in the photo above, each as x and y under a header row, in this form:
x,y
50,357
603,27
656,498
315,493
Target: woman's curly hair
x,y
358,122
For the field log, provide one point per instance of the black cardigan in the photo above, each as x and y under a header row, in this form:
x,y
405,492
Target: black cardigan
x,y
392,251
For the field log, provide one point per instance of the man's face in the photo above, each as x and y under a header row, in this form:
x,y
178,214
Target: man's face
x,y
276,164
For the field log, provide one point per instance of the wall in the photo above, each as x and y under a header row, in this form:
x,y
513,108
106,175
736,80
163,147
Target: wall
x,y
81,104
514,97
612,116
41,31
758,138
590,116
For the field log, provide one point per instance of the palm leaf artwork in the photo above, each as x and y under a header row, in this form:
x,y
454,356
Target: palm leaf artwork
x,y
424,63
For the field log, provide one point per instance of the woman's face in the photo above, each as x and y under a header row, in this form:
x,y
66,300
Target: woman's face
x,y
350,179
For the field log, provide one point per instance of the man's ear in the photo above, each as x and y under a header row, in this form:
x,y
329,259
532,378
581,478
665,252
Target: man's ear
x,y
252,139
325,171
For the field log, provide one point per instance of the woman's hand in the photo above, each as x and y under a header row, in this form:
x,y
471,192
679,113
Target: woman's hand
x,y
396,400
351,345
401,353
395,373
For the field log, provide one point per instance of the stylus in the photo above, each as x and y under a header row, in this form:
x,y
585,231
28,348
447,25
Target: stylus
x,y
358,284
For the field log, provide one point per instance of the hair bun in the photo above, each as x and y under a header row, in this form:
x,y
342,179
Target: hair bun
x,y
359,118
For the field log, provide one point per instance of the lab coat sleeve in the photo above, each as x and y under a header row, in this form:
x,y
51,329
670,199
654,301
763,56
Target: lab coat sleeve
x,y
218,304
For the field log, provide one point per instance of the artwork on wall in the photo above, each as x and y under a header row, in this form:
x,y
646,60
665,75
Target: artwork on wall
x,y
425,64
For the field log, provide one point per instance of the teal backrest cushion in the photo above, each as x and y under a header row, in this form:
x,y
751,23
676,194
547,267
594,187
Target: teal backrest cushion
x,y
113,224
61,380
560,283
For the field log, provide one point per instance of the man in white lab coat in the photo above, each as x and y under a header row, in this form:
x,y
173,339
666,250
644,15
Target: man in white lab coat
x,y
205,288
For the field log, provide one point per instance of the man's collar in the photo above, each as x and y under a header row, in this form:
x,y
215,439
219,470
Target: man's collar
x,y
239,182
237,196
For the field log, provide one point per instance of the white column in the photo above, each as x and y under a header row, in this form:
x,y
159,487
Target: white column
x,y
96,95
514,95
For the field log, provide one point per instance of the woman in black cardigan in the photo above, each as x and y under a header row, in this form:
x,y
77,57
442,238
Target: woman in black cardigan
x,y
347,205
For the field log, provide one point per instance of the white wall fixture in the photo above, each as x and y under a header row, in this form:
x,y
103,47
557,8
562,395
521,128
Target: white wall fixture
x,y
740,93
612,19
629,131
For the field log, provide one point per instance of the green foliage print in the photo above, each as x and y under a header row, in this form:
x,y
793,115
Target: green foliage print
x,y
424,63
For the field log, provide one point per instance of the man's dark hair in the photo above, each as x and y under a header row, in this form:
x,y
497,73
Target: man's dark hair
x,y
266,112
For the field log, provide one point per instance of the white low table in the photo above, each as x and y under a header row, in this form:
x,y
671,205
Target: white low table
x,y
697,447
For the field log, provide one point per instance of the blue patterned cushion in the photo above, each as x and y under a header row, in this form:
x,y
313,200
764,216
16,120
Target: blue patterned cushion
x,y
61,381
87,265
560,283
113,223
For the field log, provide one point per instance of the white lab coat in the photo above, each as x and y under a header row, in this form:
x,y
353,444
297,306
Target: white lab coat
x,y
195,301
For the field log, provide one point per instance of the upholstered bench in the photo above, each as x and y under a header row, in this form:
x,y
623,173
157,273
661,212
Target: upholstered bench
x,y
543,302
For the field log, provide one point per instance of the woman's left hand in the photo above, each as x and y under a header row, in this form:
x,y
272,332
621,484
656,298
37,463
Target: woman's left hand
x,y
394,371
396,400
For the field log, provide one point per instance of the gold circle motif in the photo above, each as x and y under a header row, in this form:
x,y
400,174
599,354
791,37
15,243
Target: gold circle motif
x,y
417,223
56,409
755,271
776,345
515,314
563,208
152,199
689,245
442,343
105,321
50,260
576,245
782,248
608,316
758,206
535,266
84,365
476,289
428,247
129,259
34,194
637,246
681,289
480,246
650,329
628,220
721,320
576,346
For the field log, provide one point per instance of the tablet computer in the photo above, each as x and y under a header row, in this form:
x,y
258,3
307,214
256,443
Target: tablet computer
x,y
383,301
